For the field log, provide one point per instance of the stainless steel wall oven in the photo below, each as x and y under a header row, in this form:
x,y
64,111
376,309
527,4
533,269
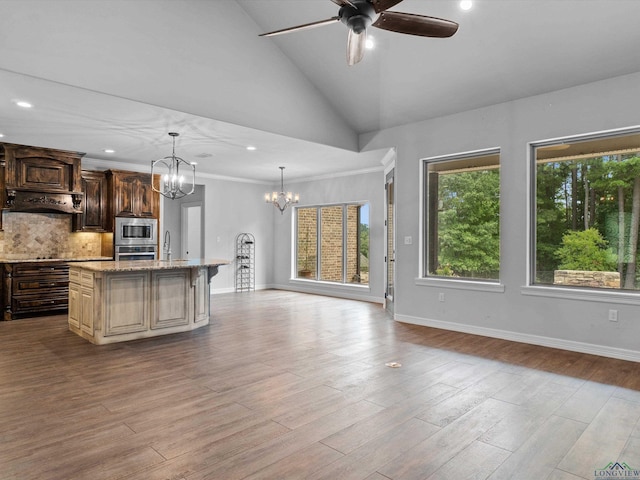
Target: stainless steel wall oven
x,y
136,238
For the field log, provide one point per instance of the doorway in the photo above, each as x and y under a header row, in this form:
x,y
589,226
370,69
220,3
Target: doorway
x,y
191,230
182,226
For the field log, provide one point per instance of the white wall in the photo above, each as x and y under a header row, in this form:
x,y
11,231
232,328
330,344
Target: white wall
x,y
577,323
358,187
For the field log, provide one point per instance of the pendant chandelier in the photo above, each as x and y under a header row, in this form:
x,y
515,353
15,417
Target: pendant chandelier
x,y
281,200
172,169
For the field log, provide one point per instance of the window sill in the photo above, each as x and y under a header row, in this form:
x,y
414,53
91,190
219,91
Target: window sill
x,y
461,284
604,296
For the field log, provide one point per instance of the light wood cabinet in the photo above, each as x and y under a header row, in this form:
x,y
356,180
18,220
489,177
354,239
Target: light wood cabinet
x,y
113,303
171,301
125,308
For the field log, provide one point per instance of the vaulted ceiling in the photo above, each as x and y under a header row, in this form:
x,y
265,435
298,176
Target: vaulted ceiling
x,y
121,74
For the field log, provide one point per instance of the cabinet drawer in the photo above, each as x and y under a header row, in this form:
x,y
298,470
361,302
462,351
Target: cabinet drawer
x,y
74,276
39,303
42,286
32,269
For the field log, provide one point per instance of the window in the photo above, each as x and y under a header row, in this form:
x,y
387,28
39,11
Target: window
x,y
587,199
332,243
462,205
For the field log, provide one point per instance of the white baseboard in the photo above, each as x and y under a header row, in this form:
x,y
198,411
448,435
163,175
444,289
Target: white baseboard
x,y
330,292
217,291
601,350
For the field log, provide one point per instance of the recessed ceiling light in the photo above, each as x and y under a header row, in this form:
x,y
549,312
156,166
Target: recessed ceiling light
x,y
466,4
23,104
109,150
1,135
251,148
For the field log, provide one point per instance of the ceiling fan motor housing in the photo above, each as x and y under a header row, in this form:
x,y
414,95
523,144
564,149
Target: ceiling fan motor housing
x,y
357,19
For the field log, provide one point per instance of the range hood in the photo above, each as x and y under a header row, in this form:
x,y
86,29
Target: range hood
x,y
40,180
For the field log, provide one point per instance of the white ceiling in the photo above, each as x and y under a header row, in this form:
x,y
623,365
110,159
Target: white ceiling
x,y
122,73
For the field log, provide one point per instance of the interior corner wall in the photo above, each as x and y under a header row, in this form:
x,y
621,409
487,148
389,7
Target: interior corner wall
x,y
357,187
567,323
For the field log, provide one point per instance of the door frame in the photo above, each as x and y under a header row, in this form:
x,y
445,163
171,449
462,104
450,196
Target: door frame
x,y
389,300
184,234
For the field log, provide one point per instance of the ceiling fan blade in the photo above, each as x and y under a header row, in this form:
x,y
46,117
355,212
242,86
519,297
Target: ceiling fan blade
x,y
306,26
342,3
355,46
412,24
382,5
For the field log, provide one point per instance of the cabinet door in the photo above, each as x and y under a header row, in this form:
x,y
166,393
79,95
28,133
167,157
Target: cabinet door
x,y
94,218
126,304
75,307
124,192
146,198
87,305
202,296
170,298
133,195
42,169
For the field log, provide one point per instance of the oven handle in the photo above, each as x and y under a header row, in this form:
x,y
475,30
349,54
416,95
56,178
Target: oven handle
x,y
151,255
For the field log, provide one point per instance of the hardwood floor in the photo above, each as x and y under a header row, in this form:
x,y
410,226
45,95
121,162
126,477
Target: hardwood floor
x,y
284,385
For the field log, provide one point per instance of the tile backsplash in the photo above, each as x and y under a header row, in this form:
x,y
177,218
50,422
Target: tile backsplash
x,y
44,235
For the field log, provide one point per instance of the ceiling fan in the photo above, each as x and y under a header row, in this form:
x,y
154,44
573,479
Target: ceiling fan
x,y
359,15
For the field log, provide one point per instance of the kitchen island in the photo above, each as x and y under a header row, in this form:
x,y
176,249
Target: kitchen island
x,y
113,302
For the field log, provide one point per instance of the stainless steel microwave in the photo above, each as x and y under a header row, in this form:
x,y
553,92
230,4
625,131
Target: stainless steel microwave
x,y
135,231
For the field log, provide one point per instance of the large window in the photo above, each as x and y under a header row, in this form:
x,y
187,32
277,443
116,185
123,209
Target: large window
x,y
587,216
462,223
332,243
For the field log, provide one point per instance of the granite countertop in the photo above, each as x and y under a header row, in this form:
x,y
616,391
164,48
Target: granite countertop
x,y
62,259
139,265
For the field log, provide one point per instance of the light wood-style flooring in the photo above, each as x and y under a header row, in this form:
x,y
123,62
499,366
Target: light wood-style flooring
x,y
285,385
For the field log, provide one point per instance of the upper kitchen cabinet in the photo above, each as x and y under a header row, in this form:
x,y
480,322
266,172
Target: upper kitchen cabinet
x,y
132,195
95,215
41,179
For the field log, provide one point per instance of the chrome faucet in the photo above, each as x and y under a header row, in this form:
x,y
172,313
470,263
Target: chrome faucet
x,y
167,244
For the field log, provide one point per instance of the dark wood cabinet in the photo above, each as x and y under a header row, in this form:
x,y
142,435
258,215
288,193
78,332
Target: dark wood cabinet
x,y
42,169
132,195
32,288
40,179
95,211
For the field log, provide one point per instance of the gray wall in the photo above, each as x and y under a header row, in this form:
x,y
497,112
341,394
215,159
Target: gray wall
x,y
358,187
575,322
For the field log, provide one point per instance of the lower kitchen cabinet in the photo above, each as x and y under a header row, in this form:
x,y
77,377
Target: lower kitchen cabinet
x,y
111,303
33,288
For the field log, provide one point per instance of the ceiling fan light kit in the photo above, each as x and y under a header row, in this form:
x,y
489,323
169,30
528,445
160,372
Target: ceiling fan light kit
x,y
359,15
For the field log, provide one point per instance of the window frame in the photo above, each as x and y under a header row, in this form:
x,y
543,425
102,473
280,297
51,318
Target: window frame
x,y
424,278
344,260
531,288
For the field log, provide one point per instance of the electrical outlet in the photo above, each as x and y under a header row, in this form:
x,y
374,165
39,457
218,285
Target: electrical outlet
x,y
613,315
441,297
